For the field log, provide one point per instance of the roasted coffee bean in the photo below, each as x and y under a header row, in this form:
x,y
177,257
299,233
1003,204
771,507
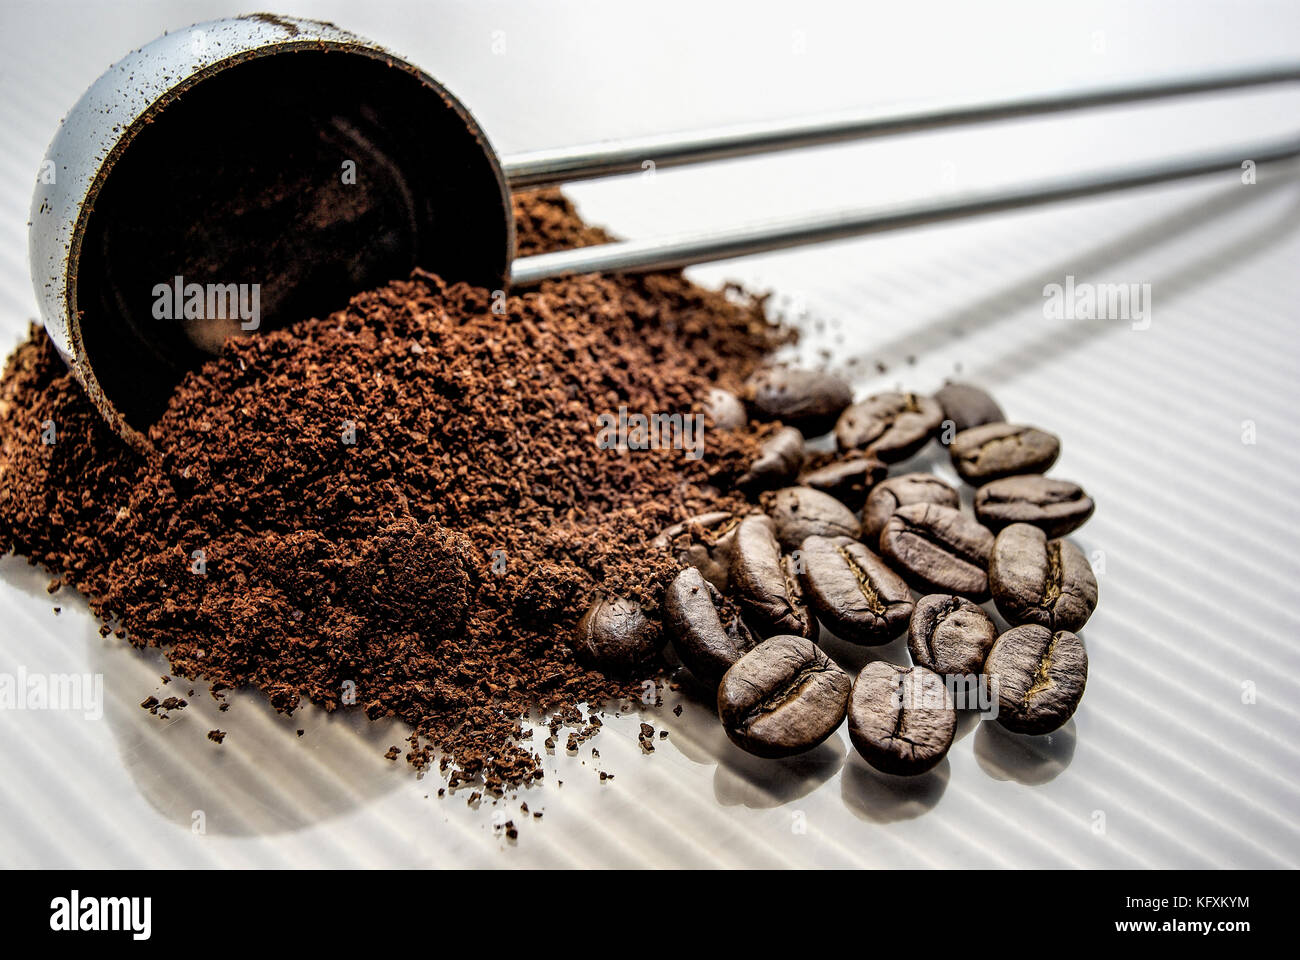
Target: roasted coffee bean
x,y
726,409
1056,507
707,630
939,550
1037,580
616,635
766,583
950,635
783,697
801,512
901,719
852,591
1039,677
997,450
807,399
703,542
967,406
902,491
889,426
848,480
779,458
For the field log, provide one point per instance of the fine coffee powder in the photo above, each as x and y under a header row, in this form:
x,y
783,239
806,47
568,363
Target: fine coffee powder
x,y
404,500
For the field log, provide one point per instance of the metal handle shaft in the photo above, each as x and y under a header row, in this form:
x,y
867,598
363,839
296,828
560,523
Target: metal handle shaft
x,y
566,164
678,251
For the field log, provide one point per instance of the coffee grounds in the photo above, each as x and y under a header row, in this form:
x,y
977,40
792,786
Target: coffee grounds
x,y
157,707
400,506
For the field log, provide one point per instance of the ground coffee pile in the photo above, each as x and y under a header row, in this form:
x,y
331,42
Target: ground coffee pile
x,y
404,500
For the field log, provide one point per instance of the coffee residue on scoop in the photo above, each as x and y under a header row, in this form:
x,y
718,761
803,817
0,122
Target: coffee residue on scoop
x,y
403,501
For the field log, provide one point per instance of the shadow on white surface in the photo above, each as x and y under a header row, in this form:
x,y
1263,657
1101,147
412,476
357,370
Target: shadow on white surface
x,y
743,779
1221,254
263,778
882,798
16,573
1026,760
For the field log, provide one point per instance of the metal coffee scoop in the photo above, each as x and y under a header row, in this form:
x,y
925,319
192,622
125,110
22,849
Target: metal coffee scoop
x,y
247,173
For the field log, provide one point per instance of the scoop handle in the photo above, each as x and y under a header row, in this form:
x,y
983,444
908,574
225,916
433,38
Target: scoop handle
x,y
665,253
609,158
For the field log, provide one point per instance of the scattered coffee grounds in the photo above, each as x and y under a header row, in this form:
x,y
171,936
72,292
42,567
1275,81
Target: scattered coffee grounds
x,y
159,707
171,703
401,506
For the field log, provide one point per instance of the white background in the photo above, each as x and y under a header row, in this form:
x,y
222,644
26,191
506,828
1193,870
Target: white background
x,y
1198,530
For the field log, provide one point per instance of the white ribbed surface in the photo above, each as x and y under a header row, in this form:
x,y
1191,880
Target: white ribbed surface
x,y
1199,531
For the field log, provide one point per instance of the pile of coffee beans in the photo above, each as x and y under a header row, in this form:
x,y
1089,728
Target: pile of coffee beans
x,y
833,542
